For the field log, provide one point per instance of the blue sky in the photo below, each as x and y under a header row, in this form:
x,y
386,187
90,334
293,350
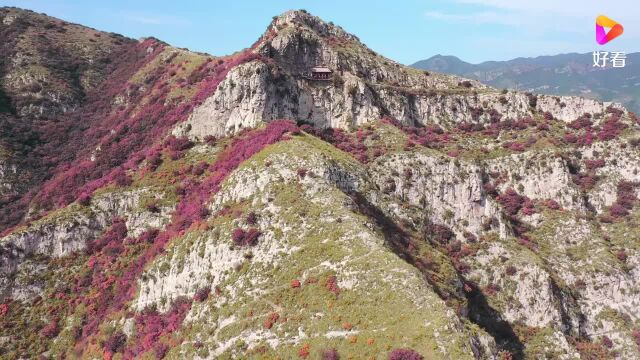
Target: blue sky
x,y
404,30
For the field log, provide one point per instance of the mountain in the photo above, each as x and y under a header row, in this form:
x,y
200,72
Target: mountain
x,y
162,203
565,74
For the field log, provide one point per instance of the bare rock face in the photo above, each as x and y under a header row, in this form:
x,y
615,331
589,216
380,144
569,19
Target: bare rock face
x,y
70,230
450,192
539,175
8,175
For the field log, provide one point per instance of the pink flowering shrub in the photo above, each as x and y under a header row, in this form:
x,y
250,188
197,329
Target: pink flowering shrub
x,y
583,122
585,181
594,164
4,309
635,334
404,354
51,330
528,207
625,200
511,201
350,143
113,236
570,138
551,204
332,285
515,146
84,199
151,326
330,354
115,343
611,128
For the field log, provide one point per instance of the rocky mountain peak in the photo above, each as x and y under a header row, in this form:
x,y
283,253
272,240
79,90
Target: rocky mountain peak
x,y
302,20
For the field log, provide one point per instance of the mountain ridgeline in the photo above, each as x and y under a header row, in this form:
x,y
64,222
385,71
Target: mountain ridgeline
x,y
159,203
565,74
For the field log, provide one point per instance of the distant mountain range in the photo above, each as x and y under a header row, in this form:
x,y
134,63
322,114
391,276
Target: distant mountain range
x,y
564,74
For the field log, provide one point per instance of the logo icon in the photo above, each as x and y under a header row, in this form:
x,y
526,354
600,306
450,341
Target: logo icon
x,y
615,29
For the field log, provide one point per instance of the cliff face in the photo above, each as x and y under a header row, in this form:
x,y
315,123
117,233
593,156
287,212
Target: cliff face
x,y
396,214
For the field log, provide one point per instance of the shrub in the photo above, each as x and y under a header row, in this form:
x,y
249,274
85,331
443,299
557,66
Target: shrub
x,y
492,289
584,181
570,138
490,189
252,218
626,195
625,201
515,146
611,128
51,330
332,285
542,127
210,140
583,122
114,236
160,350
241,237
154,161
618,211
594,164
635,334
511,270
551,204
4,309
151,326
404,354
84,199
621,255
330,354
303,352
202,294
270,320
528,207
149,235
439,233
511,201
175,144
115,343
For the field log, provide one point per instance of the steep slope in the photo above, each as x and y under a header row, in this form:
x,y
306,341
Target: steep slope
x,y
396,215
54,149
564,74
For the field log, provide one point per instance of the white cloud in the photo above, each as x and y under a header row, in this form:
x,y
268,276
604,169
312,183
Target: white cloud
x,y
543,16
564,7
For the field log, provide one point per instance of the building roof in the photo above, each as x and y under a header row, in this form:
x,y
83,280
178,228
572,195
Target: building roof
x,y
320,70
